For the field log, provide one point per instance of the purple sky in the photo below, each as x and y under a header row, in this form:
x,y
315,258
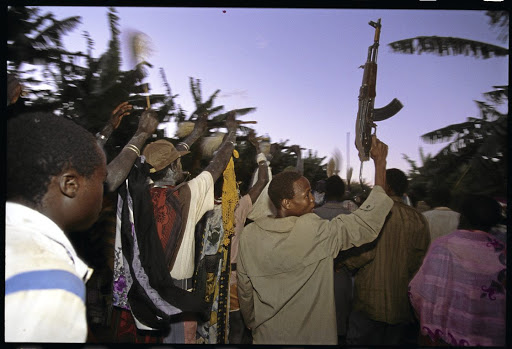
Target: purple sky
x,y
299,68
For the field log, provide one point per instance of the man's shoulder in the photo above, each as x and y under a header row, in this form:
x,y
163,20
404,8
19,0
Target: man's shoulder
x,y
25,253
409,211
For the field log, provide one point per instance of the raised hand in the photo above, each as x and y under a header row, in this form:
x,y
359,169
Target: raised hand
x,y
201,124
251,137
231,123
118,113
379,150
148,121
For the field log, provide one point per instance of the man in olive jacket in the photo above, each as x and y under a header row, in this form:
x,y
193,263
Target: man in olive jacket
x,y
285,263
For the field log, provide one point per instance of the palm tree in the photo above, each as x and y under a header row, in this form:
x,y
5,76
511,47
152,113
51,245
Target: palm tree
x,y
449,46
476,148
36,39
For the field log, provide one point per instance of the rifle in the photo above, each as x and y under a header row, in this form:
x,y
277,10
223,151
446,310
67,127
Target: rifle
x,y
367,115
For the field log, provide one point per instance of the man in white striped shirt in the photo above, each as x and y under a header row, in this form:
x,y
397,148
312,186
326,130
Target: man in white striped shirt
x,y
56,174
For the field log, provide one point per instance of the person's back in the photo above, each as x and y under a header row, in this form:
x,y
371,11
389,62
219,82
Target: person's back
x,y
381,285
441,219
169,224
291,269
285,263
381,311
459,293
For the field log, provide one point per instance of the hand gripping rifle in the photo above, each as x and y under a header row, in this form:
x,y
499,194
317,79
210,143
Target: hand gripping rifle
x,y
367,115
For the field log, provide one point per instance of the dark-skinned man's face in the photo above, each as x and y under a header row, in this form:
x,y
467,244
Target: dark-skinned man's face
x,y
303,201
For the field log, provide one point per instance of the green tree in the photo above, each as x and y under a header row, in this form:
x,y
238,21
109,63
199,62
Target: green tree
x,y
84,88
36,39
475,159
450,46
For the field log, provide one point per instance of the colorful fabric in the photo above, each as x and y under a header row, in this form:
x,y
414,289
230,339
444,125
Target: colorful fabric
x,y
220,227
125,329
285,271
167,213
385,267
151,294
201,201
459,293
44,280
229,200
209,273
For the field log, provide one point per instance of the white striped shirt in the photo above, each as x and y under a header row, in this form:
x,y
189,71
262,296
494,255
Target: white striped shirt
x,y
44,280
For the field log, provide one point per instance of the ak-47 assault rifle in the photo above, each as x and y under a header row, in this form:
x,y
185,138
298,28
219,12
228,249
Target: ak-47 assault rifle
x,y
367,115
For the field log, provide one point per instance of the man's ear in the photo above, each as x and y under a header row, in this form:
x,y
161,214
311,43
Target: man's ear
x,y
285,203
69,184
388,190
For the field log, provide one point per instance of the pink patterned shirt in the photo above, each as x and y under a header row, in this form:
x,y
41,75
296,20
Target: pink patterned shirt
x,y
459,292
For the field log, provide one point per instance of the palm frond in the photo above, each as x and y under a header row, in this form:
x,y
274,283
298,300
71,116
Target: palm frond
x,y
500,21
244,111
498,96
445,134
53,33
209,102
165,81
195,88
448,46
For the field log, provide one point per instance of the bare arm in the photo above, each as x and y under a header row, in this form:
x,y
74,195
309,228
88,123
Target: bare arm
x,y
262,181
300,163
197,132
121,110
221,158
119,168
379,152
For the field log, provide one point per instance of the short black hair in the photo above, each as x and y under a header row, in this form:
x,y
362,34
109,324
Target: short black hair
x,y
397,181
281,187
334,188
41,145
479,212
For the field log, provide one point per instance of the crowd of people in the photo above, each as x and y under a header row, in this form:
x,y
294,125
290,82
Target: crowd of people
x,y
194,261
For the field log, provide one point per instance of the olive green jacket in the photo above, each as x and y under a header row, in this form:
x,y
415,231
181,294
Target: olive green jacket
x,y
387,265
285,271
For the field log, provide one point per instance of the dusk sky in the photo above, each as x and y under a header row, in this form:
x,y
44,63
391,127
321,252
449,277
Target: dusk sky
x,y
299,68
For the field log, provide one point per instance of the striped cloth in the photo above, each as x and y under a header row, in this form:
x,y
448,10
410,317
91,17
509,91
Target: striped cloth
x,y
386,266
459,293
44,280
